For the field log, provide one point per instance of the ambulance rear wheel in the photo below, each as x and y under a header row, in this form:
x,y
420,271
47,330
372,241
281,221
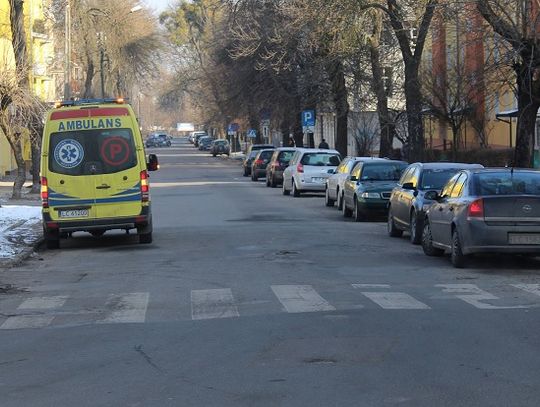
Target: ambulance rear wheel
x,y
52,239
145,234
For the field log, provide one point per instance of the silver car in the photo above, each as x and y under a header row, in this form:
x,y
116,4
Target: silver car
x,y
334,183
308,170
490,210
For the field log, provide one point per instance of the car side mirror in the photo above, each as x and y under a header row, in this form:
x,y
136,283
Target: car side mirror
x,y
408,186
152,164
353,178
432,195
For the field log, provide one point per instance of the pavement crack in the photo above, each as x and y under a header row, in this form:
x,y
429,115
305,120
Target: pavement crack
x,y
139,349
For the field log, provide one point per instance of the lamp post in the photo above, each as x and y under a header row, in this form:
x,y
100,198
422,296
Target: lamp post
x,y
67,51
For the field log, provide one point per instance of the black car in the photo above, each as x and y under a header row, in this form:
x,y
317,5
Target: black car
x,y
250,156
408,203
279,161
258,168
220,146
158,140
205,143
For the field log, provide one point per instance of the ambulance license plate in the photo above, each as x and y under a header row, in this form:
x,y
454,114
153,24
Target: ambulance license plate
x,y
74,213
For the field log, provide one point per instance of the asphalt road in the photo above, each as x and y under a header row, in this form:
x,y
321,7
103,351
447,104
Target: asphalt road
x,y
250,298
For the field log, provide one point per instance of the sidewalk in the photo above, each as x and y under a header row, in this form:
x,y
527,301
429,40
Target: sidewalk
x,y
20,224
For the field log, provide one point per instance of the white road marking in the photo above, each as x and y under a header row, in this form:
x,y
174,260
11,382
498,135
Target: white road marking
x,y
43,302
301,298
128,308
213,303
30,321
371,285
472,294
395,300
530,288
27,321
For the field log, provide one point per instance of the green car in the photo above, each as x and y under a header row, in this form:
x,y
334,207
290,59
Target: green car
x,y
367,190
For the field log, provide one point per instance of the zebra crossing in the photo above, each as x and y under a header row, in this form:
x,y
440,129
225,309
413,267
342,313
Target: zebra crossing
x,y
205,304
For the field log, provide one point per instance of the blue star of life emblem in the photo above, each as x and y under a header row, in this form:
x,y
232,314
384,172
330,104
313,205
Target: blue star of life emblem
x,y
69,153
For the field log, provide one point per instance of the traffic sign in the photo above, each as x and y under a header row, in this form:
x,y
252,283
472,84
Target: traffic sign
x,y
233,127
252,133
308,118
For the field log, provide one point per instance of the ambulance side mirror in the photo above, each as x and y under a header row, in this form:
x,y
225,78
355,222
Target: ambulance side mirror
x,y
153,164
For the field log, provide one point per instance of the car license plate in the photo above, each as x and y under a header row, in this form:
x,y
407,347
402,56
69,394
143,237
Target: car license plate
x,y
318,179
73,213
524,238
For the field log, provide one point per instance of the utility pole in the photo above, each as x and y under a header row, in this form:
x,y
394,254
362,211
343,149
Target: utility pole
x,y
67,51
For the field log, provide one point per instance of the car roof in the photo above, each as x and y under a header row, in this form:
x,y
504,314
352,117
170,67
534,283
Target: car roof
x,y
385,161
317,150
444,164
502,169
368,158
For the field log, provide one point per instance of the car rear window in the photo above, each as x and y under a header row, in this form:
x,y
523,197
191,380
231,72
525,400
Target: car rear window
x,y
382,172
266,154
321,159
507,183
285,156
436,178
90,152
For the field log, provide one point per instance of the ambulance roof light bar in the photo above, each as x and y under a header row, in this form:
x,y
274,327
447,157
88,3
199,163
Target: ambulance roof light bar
x,y
79,102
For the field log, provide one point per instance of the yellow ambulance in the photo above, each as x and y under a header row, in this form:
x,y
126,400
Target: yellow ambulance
x,y
94,173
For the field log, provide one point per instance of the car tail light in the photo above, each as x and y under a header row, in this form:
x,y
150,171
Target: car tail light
x,y
44,193
300,167
259,162
145,187
476,209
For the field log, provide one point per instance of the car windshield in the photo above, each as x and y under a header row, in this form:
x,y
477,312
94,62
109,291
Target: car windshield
x,y
90,152
321,159
508,183
219,142
436,178
382,172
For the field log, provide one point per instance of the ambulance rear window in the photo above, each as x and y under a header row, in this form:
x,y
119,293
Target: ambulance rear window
x,y
91,152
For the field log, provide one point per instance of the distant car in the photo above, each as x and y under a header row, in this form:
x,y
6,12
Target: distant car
x,y
197,137
205,143
193,135
158,140
220,146
408,201
279,161
488,210
258,167
367,190
250,156
308,170
334,183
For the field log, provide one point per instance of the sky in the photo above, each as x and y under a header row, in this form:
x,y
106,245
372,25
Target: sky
x,y
158,5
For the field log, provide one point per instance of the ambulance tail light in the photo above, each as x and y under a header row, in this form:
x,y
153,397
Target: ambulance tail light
x,y
145,187
44,193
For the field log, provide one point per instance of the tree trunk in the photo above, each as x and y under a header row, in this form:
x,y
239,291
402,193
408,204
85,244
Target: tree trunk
x,y
413,101
285,131
528,108
341,104
386,125
90,72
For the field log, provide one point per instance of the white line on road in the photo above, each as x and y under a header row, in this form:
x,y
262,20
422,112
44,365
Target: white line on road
x,y
530,288
27,321
213,303
371,285
301,298
127,308
43,302
395,300
472,294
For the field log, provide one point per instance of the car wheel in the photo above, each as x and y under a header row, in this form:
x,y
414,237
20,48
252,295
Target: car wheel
x,y
214,155
358,215
273,182
245,172
295,191
339,200
415,229
327,200
254,178
284,190
391,227
97,233
347,213
427,242
145,234
267,182
457,257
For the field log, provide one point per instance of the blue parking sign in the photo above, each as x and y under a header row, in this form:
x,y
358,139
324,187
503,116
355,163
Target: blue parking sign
x,y
308,118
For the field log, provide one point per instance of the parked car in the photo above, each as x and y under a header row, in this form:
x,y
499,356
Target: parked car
x,y
193,135
205,143
367,190
251,152
197,137
489,210
408,201
279,161
308,170
157,140
258,167
334,183
220,146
